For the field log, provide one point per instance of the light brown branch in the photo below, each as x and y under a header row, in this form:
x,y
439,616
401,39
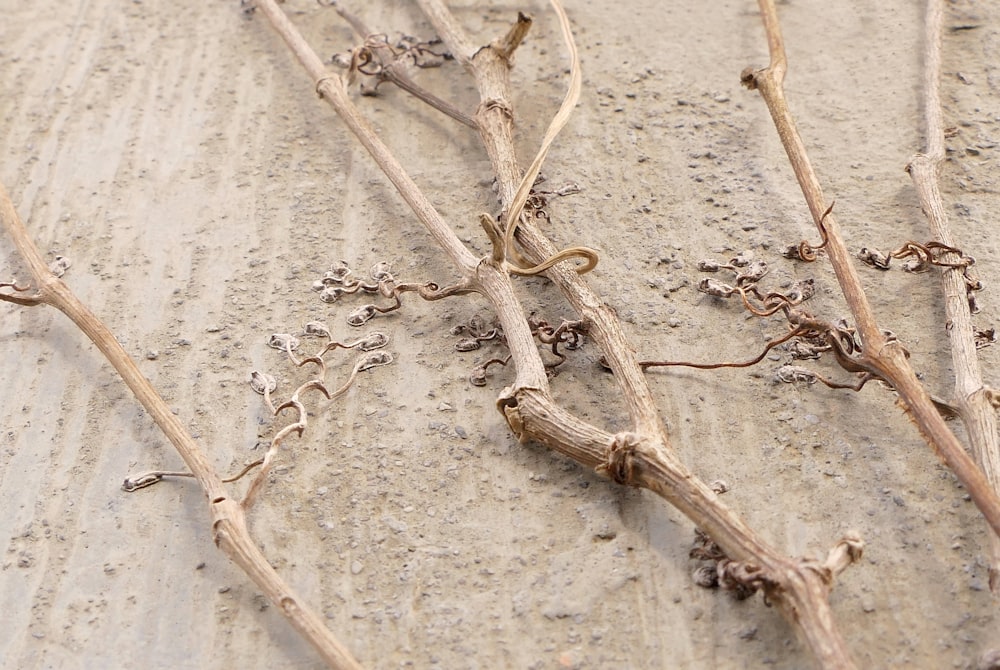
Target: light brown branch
x,y
644,457
229,527
883,358
971,401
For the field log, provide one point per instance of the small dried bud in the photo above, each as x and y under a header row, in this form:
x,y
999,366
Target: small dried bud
x,y
792,252
130,484
985,338
467,344
719,486
361,315
259,381
341,267
331,294
741,261
316,329
806,351
973,303
381,272
59,266
478,376
375,360
715,287
874,258
801,291
569,189
342,60
790,374
707,265
283,342
753,273
376,340
706,577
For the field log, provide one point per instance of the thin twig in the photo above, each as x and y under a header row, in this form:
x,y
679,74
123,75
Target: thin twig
x,y
880,356
229,527
971,400
392,72
643,457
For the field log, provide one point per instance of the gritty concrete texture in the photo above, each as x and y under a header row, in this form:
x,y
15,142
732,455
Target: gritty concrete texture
x,y
177,154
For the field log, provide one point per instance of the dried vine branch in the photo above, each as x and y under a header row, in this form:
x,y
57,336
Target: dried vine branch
x,y
972,399
883,358
641,457
229,525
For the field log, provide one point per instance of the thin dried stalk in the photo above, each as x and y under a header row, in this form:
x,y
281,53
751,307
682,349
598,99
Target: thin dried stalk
x,y
972,400
229,527
640,458
644,457
880,357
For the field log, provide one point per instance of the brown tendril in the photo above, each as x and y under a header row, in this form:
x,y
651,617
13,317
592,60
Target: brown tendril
x,y
806,251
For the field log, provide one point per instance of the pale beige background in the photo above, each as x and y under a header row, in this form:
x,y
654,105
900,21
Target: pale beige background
x,y
178,156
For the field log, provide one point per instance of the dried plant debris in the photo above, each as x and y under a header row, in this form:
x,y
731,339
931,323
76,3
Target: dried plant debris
x,y
874,258
922,257
283,342
376,59
804,251
568,335
477,331
808,338
340,280
262,383
985,338
59,266
747,273
265,385
716,570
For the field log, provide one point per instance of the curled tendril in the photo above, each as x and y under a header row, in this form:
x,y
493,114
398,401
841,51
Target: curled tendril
x,y
808,337
921,257
340,281
478,377
808,252
569,333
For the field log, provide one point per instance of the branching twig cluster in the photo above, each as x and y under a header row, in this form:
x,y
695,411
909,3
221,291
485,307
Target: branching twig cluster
x,y
734,555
